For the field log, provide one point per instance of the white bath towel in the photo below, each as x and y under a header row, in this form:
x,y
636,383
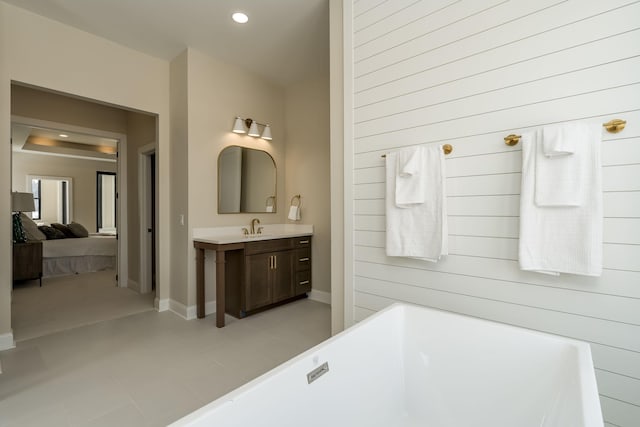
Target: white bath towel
x,y
561,164
562,239
418,231
410,177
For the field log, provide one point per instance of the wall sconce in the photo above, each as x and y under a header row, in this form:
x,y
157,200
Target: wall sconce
x,y
241,124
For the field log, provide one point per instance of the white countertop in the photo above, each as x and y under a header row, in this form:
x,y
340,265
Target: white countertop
x,y
234,234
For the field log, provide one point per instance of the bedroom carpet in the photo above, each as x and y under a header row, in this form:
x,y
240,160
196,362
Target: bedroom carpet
x,y
71,301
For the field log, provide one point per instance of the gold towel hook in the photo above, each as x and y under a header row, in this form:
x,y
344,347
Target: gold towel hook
x,y
512,139
446,148
615,125
297,196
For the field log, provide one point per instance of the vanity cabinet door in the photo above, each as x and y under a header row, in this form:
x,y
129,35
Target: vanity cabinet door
x,y
282,275
259,279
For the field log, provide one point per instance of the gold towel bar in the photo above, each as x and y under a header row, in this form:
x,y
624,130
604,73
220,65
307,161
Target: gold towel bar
x,y
446,148
612,126
294,198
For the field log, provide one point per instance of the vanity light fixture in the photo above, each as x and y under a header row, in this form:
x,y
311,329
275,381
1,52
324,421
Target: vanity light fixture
x,y
253,129
240,125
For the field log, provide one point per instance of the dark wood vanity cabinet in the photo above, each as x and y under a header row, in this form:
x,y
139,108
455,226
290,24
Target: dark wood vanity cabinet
x,y
256,274
274,271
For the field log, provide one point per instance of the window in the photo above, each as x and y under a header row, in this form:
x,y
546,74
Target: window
x,y
106,200
36,189
52,198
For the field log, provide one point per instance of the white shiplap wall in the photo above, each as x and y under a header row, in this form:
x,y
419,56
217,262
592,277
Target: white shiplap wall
x,y
469,72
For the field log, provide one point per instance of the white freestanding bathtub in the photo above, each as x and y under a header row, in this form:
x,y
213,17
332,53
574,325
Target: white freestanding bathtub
x,y
413,366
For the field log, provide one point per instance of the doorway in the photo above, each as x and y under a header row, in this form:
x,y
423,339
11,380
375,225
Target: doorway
x,y
148,216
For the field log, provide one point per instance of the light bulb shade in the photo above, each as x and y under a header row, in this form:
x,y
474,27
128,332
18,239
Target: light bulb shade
x,y
266,134
22,202
238,126
253,130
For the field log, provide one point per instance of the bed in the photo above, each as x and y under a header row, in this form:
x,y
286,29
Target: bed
x,y
73,256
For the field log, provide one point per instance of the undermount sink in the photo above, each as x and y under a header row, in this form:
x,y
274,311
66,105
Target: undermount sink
x,y
256,236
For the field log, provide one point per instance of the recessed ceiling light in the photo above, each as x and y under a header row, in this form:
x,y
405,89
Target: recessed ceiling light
x,y
63,135
240,17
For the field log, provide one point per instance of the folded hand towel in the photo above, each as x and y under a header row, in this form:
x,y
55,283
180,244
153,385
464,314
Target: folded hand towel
x,y
561,164
561,140
562,239
418,231
294,213
410,177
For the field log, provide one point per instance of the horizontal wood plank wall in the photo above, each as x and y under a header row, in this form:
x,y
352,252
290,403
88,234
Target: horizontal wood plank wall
x,y
469,72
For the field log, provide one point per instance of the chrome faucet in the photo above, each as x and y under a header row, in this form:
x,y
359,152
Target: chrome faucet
x,y
255,221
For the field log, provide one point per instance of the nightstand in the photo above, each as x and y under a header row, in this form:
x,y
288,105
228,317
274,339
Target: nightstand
x,y
27,261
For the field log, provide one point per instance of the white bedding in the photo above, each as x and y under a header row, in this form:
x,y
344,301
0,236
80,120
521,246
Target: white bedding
x,y
92,246
75,256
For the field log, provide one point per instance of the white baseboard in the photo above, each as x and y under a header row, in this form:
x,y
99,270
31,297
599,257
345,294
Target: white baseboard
x,y
191,312
320,296
6,341
161,304
133,285
179,309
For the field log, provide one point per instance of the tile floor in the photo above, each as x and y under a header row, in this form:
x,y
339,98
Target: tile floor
x,y
67,302
148,369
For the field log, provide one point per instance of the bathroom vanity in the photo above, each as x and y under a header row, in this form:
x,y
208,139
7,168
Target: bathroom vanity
x,y
254,272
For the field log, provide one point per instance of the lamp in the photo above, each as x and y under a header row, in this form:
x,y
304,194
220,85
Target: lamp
x,y
241,124
20,202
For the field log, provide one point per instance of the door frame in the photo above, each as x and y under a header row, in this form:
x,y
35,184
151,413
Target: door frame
x,y
144,212
122,224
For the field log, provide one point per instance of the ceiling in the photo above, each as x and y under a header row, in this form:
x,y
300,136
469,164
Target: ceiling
x,y
39,140
283,40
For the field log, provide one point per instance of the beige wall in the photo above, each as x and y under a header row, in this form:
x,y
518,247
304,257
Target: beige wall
x,y
217,93
179,177
81,171
107,72
6,336
336,91
53,107
307,157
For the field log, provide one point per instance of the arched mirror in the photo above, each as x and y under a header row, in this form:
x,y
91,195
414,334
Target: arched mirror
x,y
246,181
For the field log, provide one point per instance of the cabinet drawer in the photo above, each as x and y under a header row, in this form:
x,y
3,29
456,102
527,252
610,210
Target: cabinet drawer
x,y
302,242
302,259
303,282
268,246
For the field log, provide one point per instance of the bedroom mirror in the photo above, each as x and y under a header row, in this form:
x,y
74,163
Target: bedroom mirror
x,y
106,202
246,181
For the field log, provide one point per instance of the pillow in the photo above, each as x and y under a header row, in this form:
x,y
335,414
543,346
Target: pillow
x,y
65,230
31,229
78,230
51,233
